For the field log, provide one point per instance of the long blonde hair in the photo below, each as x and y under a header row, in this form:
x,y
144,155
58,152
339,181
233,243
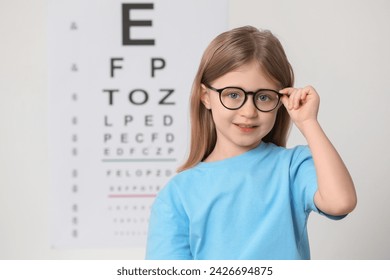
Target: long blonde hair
x,y
225,53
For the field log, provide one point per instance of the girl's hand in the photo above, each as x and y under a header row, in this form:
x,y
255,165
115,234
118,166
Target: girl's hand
x,y
302,104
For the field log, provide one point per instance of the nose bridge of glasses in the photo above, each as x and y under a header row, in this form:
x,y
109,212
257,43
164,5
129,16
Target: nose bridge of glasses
x,y
251,100
246,98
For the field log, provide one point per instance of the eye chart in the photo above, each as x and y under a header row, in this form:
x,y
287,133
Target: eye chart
x,y
120,75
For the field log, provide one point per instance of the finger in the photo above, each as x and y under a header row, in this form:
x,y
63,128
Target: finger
x,y
294,96
291,97
305,93
298,101
284,97
286,91
284,100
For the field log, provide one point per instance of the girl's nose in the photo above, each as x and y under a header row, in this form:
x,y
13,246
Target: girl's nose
x,y
249,110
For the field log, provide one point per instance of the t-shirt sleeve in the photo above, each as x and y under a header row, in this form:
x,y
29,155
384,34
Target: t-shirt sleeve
x,y
168,233
304,178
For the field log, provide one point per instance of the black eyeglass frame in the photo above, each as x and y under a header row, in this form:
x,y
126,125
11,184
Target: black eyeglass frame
x,y
253,93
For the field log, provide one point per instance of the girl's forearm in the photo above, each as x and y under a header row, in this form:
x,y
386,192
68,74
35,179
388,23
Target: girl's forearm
x,y
336,192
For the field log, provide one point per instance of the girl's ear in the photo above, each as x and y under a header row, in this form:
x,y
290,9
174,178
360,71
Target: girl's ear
x,y
205,97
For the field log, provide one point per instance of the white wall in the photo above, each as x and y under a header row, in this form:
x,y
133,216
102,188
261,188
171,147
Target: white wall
x,y
340,47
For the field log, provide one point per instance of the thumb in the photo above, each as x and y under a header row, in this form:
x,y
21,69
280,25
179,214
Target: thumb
x,y
284,99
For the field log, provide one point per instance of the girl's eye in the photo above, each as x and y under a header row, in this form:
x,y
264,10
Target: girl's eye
x,y
263,98
234,95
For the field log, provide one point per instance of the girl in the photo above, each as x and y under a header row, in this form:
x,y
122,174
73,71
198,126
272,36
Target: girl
x,y
241,194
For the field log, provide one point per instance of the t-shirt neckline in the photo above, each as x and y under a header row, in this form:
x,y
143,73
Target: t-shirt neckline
x,y
246,155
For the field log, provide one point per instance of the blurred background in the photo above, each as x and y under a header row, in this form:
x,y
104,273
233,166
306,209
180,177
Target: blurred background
x,y
339,47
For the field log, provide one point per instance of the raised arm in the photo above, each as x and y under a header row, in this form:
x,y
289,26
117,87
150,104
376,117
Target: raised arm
x,y
336,193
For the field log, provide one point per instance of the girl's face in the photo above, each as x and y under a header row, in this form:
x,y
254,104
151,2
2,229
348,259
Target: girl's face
x,y
240,130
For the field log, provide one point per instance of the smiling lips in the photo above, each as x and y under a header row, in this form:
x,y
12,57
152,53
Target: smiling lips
x,y
246,127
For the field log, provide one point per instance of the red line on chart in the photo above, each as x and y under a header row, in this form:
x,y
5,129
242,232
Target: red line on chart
x,y
132,195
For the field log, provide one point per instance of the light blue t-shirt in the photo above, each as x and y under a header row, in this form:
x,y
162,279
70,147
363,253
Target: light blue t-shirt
x,y
252,206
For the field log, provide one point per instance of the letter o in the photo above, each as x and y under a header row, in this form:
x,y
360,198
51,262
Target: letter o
x,y
142,100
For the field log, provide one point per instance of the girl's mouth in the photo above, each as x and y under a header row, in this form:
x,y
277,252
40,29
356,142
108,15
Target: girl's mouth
x,y
246,127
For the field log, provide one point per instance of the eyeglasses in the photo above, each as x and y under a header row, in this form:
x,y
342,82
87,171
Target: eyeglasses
x,y
233,98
